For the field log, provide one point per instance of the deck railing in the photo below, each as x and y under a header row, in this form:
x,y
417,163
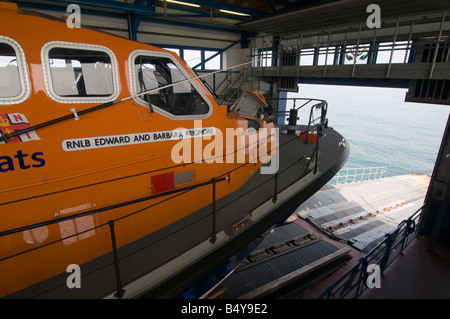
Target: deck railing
x,y
350,175
111,223
398,41
356,281
311,127
315,124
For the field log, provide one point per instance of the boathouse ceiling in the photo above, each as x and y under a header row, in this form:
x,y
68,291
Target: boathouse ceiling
x,y
322,14
257,16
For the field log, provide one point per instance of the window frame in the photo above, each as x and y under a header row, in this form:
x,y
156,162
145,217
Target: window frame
x,y
205,58
134,86
78,46
23,74
202,50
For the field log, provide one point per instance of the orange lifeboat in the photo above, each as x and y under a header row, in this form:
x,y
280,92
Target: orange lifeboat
x,y
122,177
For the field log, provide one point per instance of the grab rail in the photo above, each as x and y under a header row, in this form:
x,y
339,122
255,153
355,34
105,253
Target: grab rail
x,y
315,124
120,292
355,280
312,125
354,45
351,175
103,209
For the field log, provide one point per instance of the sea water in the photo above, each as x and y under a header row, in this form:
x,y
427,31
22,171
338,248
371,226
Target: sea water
x,y
381,128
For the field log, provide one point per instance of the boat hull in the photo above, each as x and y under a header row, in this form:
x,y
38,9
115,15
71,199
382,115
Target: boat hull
x,y
181,260
244,244
125,176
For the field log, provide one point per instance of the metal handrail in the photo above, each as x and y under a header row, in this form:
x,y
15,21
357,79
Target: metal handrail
x,y
120,292
228,74
111,223
103,209
225,96
383,254
316,124
305,101
363,51
354,43
359,174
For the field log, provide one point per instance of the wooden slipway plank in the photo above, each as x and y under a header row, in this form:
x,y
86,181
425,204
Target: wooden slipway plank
x,y
288,253
295,275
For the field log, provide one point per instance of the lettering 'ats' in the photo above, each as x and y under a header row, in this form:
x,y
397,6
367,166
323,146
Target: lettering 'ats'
x,y
21,161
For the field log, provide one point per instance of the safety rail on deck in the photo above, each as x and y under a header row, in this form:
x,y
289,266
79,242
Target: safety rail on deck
x,y
312,125
111,223
400,40
296,105
363,53
317,120
356,281
351,175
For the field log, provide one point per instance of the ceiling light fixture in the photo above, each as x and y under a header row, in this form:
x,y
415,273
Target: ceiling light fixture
x,y
235,13
183,3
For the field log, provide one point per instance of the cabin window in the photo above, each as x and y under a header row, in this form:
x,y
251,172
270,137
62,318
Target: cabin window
x,y
80,73
14,86
177,97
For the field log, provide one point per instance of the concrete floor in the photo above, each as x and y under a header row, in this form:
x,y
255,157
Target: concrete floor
x,y
417,274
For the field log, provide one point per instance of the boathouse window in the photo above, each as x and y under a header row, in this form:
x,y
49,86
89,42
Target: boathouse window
x,y
201,59
14,87
80,73
182,99
192,57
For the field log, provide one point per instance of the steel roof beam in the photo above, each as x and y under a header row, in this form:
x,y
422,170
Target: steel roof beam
x,y
149,9
224,6
147,13
112,5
